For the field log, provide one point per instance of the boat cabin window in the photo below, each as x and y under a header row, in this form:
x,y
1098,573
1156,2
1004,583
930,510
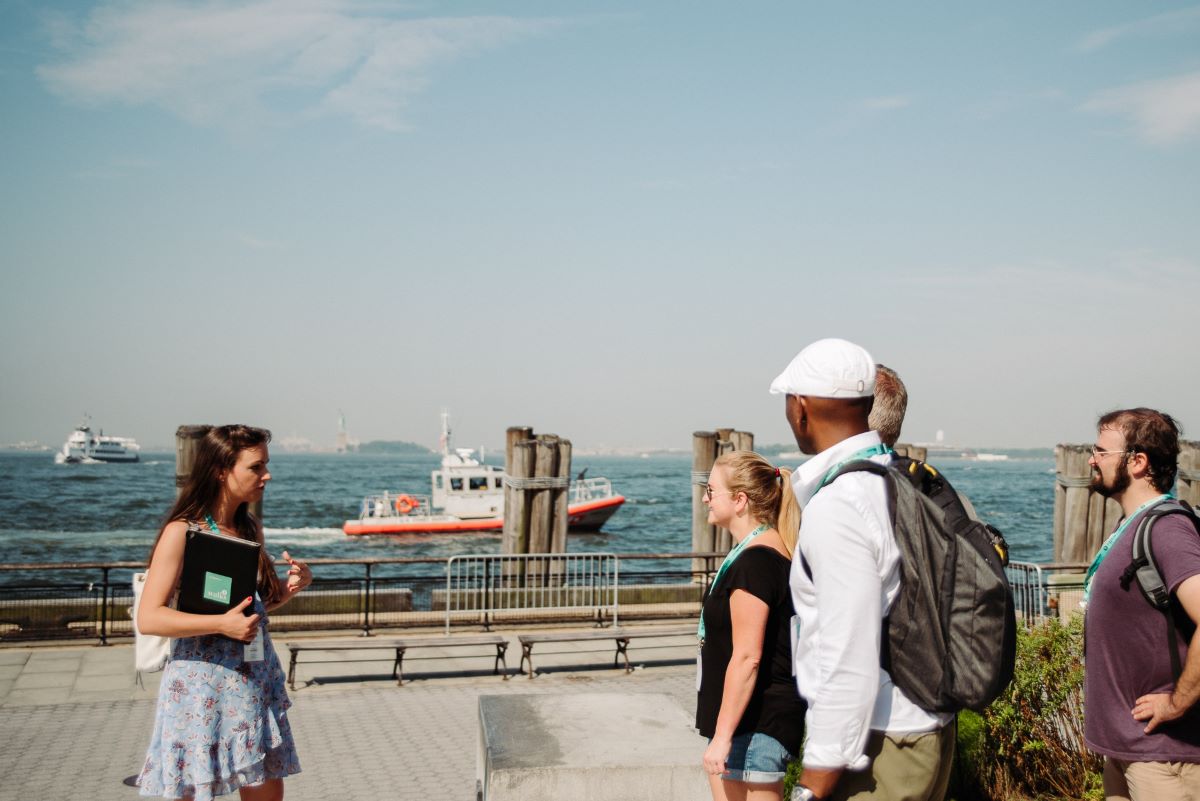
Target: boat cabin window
x,y
479,482
437,480
499,482
456,484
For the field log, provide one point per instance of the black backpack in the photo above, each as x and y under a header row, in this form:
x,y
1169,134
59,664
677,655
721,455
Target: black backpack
x,y
950,639
1144,568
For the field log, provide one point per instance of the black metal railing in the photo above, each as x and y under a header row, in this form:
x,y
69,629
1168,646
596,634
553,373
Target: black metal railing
x,y
92,600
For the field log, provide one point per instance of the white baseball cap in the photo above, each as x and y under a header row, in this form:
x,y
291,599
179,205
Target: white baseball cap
x,y
828,368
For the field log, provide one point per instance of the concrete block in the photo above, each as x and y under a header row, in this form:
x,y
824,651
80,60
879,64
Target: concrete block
x,y
588,747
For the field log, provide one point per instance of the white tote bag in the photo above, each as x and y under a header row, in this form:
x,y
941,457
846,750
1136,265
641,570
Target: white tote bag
x,y
150,652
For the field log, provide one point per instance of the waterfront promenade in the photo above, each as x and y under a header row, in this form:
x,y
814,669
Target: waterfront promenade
x,y
75,724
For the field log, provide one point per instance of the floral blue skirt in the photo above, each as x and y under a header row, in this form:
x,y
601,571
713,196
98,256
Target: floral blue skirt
x,y
221,722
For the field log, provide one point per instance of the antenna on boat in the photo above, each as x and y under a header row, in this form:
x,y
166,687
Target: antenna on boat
x,y
445,438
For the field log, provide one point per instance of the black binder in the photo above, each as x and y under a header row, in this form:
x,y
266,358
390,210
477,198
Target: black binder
x,y
219,572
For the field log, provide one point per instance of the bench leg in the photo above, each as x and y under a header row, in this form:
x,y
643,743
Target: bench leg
x,y
623,651
398,667
501,648
527,657
292,670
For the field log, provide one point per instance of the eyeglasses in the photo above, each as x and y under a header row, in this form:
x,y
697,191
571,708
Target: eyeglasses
x,y
1098,454
708,492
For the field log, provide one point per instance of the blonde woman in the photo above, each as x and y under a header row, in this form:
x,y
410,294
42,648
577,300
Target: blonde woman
x,y
747,704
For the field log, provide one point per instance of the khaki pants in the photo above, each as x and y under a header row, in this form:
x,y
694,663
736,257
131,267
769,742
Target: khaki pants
x,y
1151,781
904,767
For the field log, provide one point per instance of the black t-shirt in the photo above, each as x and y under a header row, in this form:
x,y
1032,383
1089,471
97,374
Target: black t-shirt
x,y
775,707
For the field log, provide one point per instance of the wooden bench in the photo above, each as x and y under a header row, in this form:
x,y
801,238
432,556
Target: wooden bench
x,y
399,645
620,637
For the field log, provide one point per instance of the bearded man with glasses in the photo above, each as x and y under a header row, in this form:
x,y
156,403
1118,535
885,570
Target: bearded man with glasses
x,y
1139,714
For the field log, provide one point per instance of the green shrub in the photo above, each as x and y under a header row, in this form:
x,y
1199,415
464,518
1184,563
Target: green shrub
x,y
1030,742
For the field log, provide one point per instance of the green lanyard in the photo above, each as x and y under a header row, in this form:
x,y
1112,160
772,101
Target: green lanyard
x,y
1112,540
865,453
730,558
212,524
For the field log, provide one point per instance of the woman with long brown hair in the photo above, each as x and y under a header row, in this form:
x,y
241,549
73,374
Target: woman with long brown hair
x,y
746,700
221,723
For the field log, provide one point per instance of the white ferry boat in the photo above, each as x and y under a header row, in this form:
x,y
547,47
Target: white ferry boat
x,y
85,446
469,496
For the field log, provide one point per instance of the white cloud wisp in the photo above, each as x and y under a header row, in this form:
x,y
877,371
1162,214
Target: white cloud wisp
x,y
1170,23
224,64
1164,112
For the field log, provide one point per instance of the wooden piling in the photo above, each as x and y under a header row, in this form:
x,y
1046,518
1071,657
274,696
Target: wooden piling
x,y
722,539
561,499
541,511
742,441
1060,499
512,436
515,538
1188,487
187,441
704,452
918,452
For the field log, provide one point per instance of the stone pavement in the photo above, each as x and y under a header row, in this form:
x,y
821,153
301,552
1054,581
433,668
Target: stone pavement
x,y
74,723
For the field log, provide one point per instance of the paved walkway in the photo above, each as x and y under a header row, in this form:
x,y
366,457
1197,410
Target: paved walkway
x,y
75,725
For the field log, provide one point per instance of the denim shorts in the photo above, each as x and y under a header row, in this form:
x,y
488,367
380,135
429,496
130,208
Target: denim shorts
x,y
756,758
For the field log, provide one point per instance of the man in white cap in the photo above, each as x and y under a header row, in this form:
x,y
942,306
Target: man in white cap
x,y
864,738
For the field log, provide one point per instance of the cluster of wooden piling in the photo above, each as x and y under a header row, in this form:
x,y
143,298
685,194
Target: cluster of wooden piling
x,y
707,446
1083,519
537,480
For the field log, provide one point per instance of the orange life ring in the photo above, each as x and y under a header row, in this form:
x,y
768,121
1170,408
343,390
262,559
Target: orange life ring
x,y
406,503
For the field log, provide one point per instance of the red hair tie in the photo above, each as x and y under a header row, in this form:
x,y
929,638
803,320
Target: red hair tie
x,y
776,472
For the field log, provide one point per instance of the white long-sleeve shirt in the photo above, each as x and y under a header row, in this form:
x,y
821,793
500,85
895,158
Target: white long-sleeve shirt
x,y
847,541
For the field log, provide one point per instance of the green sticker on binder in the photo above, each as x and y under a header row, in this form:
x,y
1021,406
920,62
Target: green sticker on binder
x,y
217,587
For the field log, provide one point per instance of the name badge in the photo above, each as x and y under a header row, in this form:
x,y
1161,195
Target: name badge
x,y
254,651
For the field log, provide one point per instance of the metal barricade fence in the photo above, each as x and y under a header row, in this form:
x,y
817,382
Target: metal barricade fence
x,y
1029,591
479,587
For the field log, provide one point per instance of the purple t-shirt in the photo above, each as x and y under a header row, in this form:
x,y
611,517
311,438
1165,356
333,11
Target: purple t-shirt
x,y
1127,651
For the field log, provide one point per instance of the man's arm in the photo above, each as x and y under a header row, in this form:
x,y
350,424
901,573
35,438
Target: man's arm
x,y
849,618
1159,708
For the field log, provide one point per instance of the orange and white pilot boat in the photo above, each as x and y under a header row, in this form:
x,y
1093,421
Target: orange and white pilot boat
x,y
468,496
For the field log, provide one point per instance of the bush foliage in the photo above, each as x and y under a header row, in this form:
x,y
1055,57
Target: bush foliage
x,y
1029,742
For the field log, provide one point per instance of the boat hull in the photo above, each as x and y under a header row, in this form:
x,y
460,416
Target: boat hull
x,y
589,516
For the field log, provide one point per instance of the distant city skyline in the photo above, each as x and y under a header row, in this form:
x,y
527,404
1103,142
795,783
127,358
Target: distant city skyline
x,y
616,225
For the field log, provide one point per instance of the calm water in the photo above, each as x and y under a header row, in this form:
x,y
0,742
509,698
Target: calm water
x,y
107,512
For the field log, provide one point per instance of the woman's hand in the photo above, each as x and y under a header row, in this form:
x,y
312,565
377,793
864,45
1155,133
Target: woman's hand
x,y
299,576
716,754
236,626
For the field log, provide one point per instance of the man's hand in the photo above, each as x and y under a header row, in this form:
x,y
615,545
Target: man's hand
x,y
1156,708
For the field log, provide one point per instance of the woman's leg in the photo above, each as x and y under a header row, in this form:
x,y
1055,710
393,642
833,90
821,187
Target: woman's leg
x,y
764,792
726,789
270,790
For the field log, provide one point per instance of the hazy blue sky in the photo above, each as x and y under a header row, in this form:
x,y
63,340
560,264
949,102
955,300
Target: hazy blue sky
x,y
613,221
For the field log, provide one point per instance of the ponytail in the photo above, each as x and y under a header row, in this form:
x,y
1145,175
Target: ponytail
x,y
788,517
